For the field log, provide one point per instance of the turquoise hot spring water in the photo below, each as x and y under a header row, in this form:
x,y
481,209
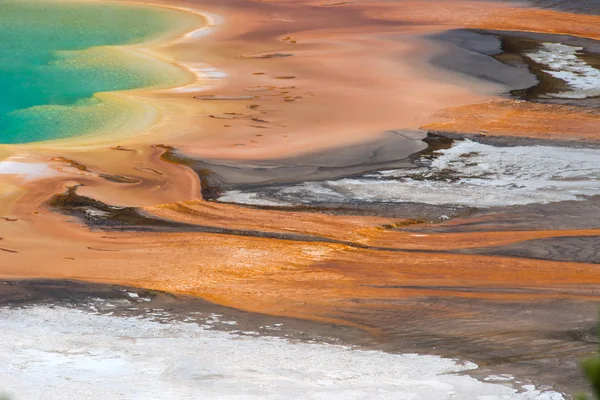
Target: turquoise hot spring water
x,y
57,56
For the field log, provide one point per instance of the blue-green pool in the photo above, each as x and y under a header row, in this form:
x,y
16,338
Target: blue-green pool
x,y
54,59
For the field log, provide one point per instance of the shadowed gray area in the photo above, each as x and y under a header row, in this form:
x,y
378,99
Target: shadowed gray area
x,y
579,249
469,52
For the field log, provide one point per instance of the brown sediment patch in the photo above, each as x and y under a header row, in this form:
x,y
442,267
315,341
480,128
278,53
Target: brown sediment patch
x,y
97,249
270,55
121,148
214,97
118,178
151,170
84,169
222,116
8,250
72,163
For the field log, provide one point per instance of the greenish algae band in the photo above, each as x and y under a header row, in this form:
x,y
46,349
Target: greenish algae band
x,y
55,57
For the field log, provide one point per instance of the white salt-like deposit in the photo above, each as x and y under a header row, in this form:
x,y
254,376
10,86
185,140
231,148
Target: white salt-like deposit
x,y
563,63
467,174
25,169
61,353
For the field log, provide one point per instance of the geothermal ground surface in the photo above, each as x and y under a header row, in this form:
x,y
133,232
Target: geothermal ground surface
x,y
365,199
